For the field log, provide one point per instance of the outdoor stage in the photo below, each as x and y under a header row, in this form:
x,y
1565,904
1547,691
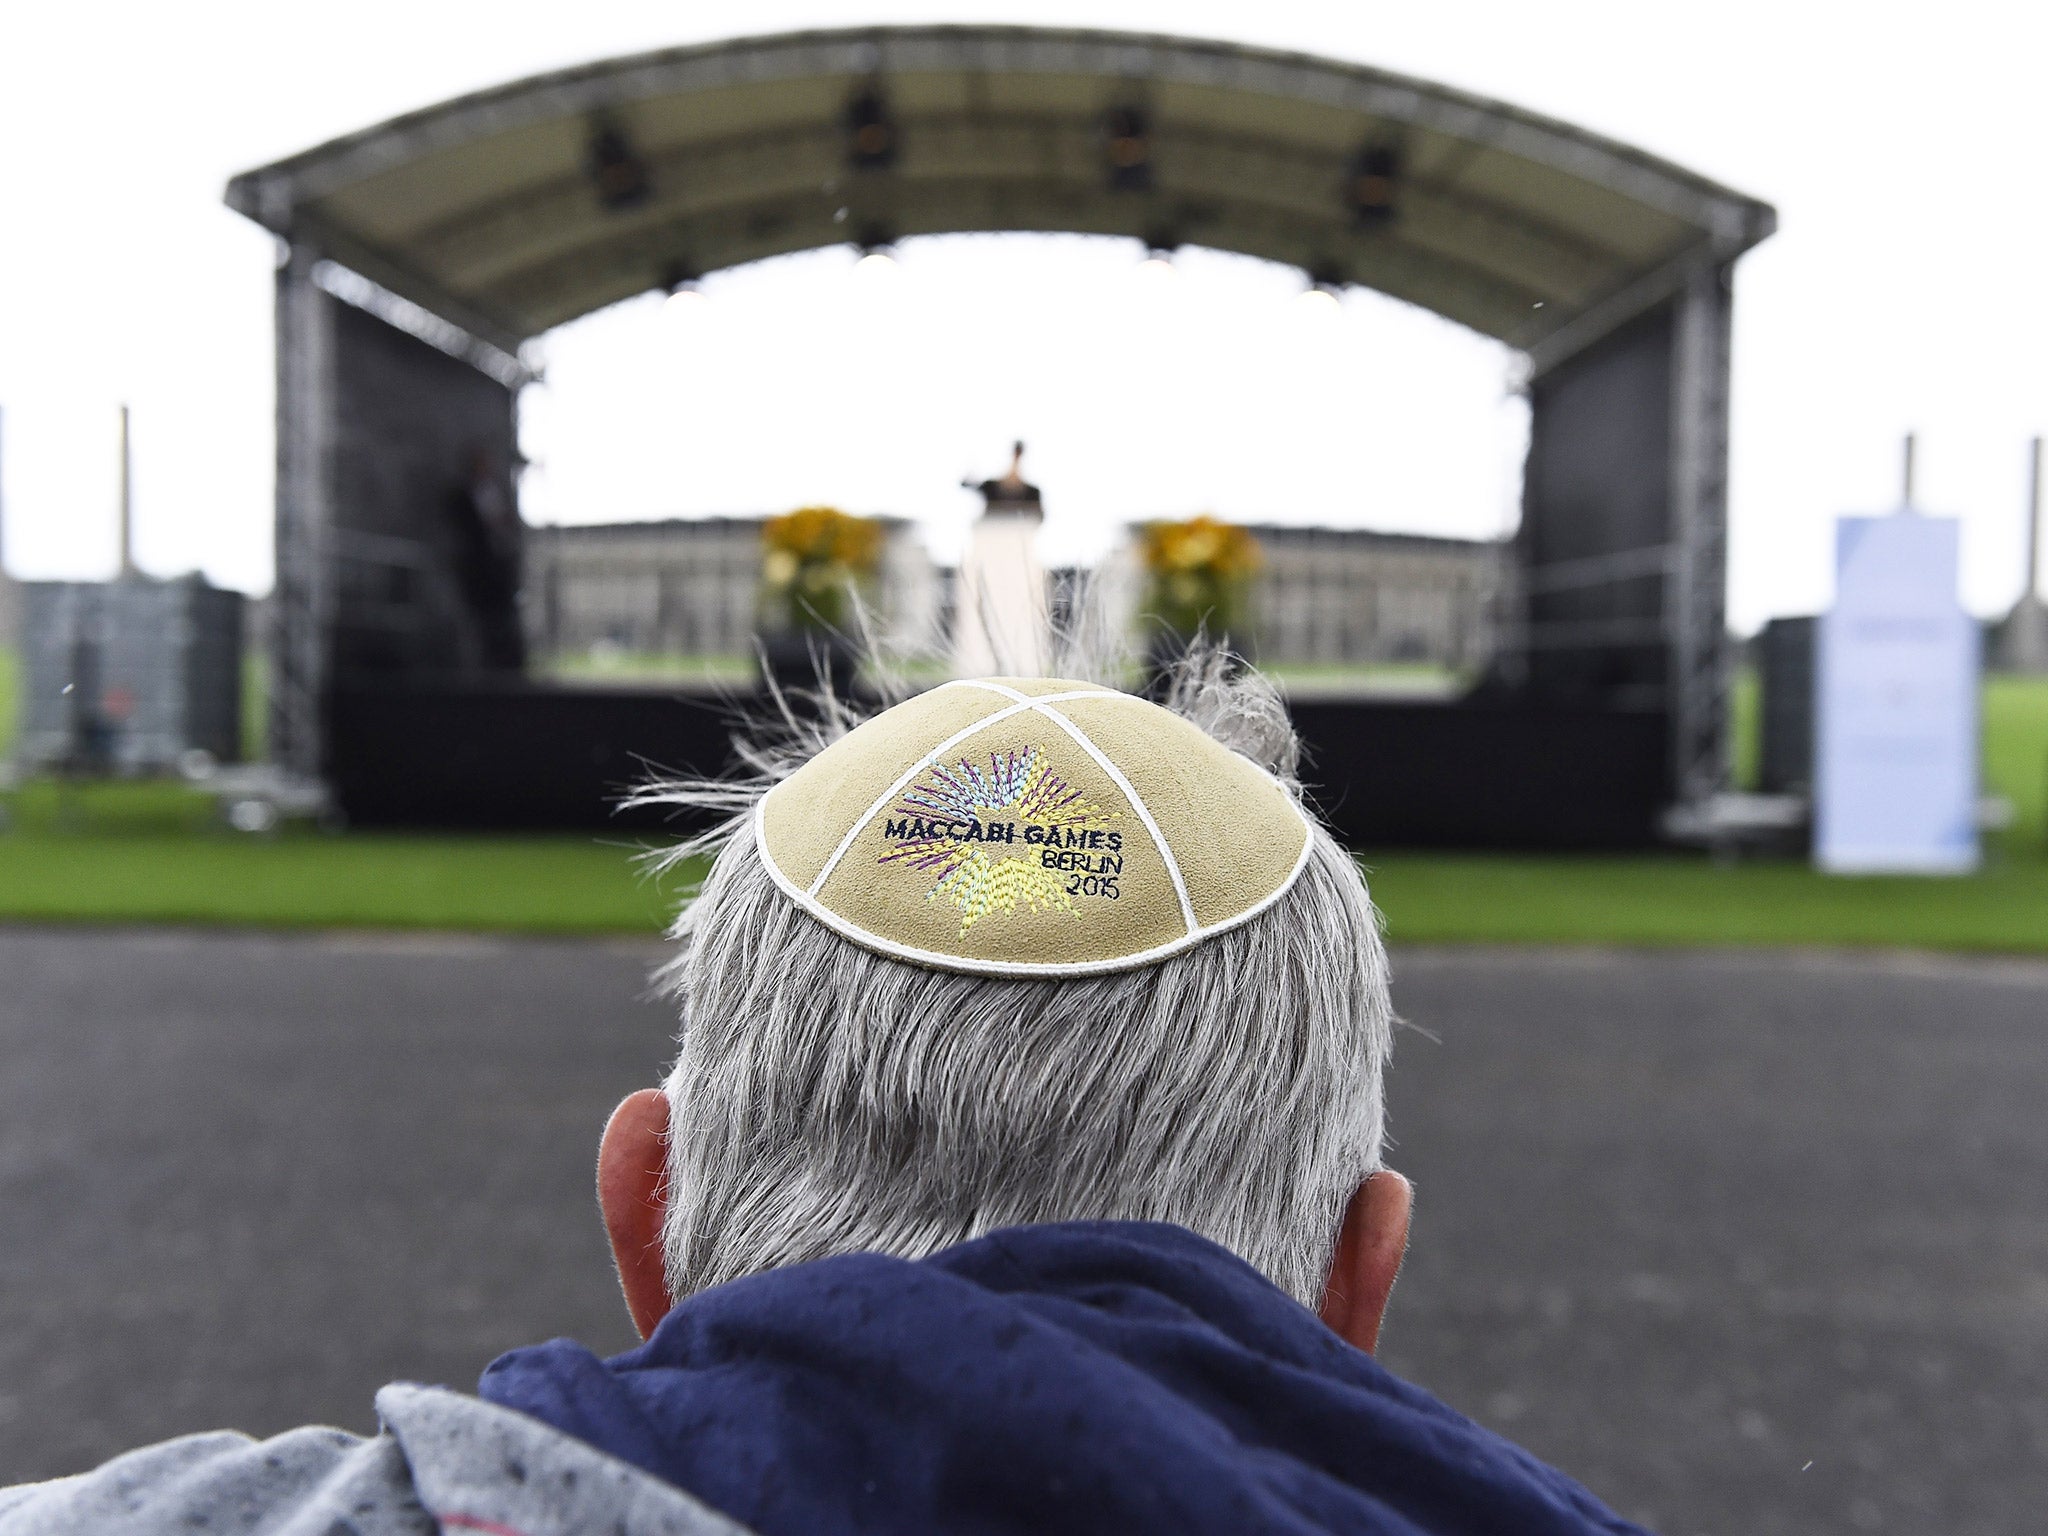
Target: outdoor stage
x,y
1511,773
424,254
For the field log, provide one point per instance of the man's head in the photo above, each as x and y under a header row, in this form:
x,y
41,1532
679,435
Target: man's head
x,y
831,1097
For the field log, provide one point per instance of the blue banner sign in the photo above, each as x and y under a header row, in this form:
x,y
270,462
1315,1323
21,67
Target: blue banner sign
x,y
1896,706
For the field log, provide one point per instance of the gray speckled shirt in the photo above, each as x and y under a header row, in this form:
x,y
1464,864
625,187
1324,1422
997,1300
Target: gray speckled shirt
x,y
444,1463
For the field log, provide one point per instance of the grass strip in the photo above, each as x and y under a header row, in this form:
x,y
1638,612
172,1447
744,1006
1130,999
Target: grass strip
x,y
559,885
155,852
583,885
1650,901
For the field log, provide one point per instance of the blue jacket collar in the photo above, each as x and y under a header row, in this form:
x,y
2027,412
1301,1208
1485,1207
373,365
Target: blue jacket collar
x,y
1078,1377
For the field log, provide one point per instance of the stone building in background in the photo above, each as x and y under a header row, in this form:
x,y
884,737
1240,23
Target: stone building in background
x,y
1325,597
691,587
1347,597
1342,598
129,676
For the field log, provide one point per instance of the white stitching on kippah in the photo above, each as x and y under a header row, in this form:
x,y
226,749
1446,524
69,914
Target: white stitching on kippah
x,y
944,962
1041,698
982,682
1116,774
898,785
1023,703
1040,703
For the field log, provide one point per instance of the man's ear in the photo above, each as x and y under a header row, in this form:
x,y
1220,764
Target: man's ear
x,y
1370,1242
631,1161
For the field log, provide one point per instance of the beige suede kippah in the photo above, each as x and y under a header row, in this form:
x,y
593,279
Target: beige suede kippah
x,y
1030,827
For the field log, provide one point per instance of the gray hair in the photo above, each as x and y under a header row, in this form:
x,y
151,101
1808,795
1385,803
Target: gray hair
x,y
827,1099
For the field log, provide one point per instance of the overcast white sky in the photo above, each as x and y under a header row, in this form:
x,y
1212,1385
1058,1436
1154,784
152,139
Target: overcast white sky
x,y
1903,148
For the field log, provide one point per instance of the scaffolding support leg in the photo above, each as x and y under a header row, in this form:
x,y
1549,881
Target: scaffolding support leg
x,y
1695,607
301,618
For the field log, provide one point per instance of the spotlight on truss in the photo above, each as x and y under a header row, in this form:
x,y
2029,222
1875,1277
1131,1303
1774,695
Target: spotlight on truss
x,y
1371,183
870,132
1159,252
1325,287
1127,136
616,169
877,246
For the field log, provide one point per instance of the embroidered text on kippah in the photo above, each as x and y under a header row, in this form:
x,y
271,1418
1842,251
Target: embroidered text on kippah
x,y
1017,801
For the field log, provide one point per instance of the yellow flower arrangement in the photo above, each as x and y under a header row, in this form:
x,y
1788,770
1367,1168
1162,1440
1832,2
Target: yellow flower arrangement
x,y
1200,573
812,561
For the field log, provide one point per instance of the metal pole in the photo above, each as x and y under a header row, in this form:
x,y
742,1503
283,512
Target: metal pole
x,y
1906,495
127,503
1695,621
303,593
2033,567
8,623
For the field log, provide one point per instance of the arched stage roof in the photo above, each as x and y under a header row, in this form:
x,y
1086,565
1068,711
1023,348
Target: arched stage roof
x,y
485,209
503,214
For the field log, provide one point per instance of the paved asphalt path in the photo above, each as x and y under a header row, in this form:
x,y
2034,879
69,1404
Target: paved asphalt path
x,y
1751,1244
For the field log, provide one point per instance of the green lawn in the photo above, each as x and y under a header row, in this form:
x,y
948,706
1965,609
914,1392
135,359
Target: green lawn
x,y
1493,899
255,705
1415,679
10,693
155,852
2016,758
1745,729
647,668
126,868
2015,753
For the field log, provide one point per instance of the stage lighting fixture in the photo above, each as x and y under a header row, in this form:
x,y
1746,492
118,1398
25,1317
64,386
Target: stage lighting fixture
x,y
1128,144
877,247
617,169
875,240
1370,184
1325,283
1159,254
681,282
870,134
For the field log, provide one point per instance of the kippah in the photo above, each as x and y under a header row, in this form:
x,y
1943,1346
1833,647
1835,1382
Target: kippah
x,y
1030,827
